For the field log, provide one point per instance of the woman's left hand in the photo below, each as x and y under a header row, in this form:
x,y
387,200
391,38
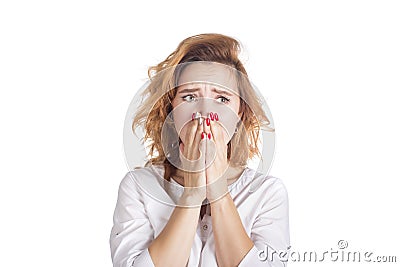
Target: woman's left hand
x,y
216,158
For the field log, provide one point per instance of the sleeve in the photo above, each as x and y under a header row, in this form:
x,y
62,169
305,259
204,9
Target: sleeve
x,y
270,231
132,232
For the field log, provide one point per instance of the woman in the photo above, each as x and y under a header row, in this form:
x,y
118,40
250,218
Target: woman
x,y
202,118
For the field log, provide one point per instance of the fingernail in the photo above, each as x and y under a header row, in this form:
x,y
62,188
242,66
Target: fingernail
x,y
209,136
200,120
208,121
216,117
202,135
193,115
212,116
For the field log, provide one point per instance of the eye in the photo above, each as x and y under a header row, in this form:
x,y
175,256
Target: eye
x,y
223,99
189,98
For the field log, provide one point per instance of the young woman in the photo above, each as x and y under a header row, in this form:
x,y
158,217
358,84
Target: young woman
x,y
202,118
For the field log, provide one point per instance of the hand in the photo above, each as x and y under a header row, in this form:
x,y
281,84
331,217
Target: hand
x,y
216,158
192,155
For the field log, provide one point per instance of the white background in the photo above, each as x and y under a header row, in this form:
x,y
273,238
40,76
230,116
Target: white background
x,y
329,71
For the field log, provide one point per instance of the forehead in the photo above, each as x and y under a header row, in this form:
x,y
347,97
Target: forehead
x,y
209,72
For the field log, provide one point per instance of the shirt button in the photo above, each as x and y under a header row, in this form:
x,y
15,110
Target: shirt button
x,y
205,227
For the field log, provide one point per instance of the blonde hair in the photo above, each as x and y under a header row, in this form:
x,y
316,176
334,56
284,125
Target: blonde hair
x,y
155,109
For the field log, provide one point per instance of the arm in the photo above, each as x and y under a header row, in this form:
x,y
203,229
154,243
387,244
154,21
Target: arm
x,y
270,228
131,235
131,232
231,240
173,245
233,247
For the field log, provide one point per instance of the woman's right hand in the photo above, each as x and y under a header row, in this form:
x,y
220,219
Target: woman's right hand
x,y
192,155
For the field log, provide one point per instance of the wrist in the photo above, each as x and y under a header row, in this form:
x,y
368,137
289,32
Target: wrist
x,y
192,197
219,205
217,190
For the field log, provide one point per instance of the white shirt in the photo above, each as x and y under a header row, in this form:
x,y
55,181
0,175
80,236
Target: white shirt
x,y
139,217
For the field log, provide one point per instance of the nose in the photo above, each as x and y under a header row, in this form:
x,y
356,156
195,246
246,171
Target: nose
x,y
204,106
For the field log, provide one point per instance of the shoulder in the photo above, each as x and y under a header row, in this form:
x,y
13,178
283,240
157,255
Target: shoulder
x,y
140,176
268,185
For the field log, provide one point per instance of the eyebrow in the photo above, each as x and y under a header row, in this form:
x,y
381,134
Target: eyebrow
x,y
192,90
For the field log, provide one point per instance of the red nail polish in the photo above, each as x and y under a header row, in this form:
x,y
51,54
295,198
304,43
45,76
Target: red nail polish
x,y
209,136
202,135
216,117
192,116
212,116
208,121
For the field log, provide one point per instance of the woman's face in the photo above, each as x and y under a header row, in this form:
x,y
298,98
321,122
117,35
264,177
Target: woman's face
x,y
207,88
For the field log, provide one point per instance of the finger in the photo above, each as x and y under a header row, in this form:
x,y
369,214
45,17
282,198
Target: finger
x,y
218,131
210,144
210,150
184,148
193,163
206,127
195,151
190,134
215,127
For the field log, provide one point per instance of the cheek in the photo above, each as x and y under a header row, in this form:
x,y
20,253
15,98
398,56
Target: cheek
x,y
182,115
228,124
228,119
